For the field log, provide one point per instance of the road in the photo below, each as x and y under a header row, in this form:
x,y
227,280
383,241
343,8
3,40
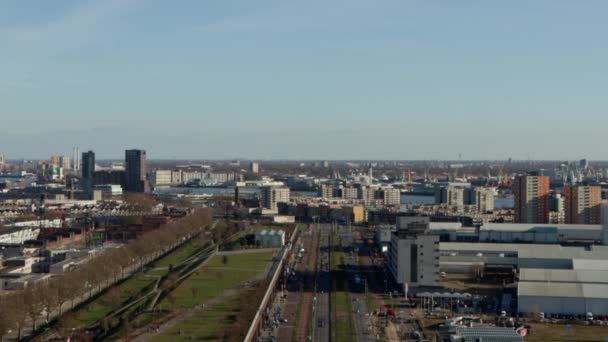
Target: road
x,y
322,302
358,293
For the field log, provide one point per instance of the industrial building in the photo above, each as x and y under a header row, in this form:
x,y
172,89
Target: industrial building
x,y
270,238
414,253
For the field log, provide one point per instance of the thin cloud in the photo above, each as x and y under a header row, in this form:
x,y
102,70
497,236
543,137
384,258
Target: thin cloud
x,y
77,22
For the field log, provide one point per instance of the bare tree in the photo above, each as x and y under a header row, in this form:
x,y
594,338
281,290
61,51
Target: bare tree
x,y
18,311
140,202
33,304
113,297
6,323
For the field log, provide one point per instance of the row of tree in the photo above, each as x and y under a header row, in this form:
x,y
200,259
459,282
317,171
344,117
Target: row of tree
x,y
44,300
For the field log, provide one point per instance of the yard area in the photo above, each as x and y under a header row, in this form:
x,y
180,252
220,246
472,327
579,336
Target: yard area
x,y
558,332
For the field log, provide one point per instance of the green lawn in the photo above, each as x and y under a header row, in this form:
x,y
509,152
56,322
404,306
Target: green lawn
x,y
216,277
343,326
208,324
101,307
180,254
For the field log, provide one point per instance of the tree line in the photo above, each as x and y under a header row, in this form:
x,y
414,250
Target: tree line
x,y
20,310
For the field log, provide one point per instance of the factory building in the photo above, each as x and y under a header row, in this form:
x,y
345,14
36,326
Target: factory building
x,y
414,253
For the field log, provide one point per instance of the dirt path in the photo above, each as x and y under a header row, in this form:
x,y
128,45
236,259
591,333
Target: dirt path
x,y
306,301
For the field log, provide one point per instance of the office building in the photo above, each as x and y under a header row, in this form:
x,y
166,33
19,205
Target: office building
x,y
88,169
270,196
135,171
531,199
582,204
254,167
414,253
76,160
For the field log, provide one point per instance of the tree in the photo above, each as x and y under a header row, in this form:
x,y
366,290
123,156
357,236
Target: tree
x,y
49,296
140,202
16,308
5,319
113,297
33,304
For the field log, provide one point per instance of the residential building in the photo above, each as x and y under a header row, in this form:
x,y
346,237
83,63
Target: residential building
x,y
56,161
161,178
270,196
390,196
582,204
531,199
254,167
483,200
65,163
453,196
135,171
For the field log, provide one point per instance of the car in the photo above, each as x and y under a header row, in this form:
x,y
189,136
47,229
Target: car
x,y
282,320
321,323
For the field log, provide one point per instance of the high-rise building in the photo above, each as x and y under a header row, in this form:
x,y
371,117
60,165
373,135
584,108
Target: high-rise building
x,y
65,163
88,169
451,195
135,171
582,204
390,196
56,161
2,160
483,199
272,195
76,160
254,167
531,199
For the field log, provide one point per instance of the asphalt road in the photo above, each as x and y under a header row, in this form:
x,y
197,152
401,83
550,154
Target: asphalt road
x,y
322,308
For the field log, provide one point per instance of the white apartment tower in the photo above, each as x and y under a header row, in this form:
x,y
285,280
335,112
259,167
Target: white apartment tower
x,y
270,196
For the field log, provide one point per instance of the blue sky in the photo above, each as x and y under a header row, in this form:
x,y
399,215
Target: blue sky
x,y
343,79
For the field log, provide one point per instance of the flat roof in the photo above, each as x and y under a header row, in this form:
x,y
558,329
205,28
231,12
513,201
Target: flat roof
x,y
564,276
568,290
529,226
530,251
